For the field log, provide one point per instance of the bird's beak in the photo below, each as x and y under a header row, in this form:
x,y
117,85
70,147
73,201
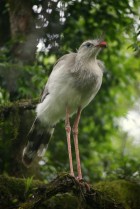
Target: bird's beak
x,y
102,44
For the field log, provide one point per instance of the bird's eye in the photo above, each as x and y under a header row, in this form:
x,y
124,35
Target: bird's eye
x,y
88,45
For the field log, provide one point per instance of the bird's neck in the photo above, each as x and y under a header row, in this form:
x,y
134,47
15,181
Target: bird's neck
x,y
83,62
86,57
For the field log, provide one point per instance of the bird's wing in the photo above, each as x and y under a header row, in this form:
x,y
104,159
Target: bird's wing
x,y
67,59
101,65
45,92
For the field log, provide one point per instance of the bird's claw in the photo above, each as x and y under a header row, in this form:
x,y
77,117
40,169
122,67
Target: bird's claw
x,y
83,183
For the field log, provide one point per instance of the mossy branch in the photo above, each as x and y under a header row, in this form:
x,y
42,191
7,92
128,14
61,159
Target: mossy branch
x,y
21,105
66,192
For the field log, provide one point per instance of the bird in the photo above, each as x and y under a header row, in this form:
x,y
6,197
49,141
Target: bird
x,y
73,83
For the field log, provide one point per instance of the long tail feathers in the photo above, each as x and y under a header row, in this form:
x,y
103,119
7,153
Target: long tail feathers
x,y
38,139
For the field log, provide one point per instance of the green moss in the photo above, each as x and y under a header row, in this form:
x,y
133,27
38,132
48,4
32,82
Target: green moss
x,y
8,191
15,121
63,193
65,201
124,192
13,190
26,205
59,201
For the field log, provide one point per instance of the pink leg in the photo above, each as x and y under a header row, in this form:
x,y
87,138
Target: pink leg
x,y
68,131
75,136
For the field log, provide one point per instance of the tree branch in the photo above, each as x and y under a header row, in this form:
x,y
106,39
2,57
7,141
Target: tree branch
x,y
63,192
21,105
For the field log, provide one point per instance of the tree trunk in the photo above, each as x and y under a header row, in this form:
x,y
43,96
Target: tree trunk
x,y
23,32
18,43
4,24
15,122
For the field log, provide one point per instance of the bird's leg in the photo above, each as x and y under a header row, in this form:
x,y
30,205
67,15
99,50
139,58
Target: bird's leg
x,y
68,132
75,136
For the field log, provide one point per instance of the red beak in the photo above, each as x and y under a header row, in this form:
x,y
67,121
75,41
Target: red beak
x,y
102,44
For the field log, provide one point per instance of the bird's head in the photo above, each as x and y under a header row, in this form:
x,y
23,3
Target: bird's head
x,y
91,48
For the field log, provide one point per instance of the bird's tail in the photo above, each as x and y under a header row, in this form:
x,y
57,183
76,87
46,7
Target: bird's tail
x,y
38,140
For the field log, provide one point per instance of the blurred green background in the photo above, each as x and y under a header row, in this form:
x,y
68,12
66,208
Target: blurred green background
x,y
33,35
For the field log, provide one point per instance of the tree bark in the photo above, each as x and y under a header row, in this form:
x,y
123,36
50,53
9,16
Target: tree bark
x,y
23,32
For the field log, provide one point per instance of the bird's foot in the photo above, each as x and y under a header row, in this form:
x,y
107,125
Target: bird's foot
x,y
83,183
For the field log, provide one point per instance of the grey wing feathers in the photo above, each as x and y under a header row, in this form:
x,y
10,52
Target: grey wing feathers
x,y
44,93
56,65
59,60
67,58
